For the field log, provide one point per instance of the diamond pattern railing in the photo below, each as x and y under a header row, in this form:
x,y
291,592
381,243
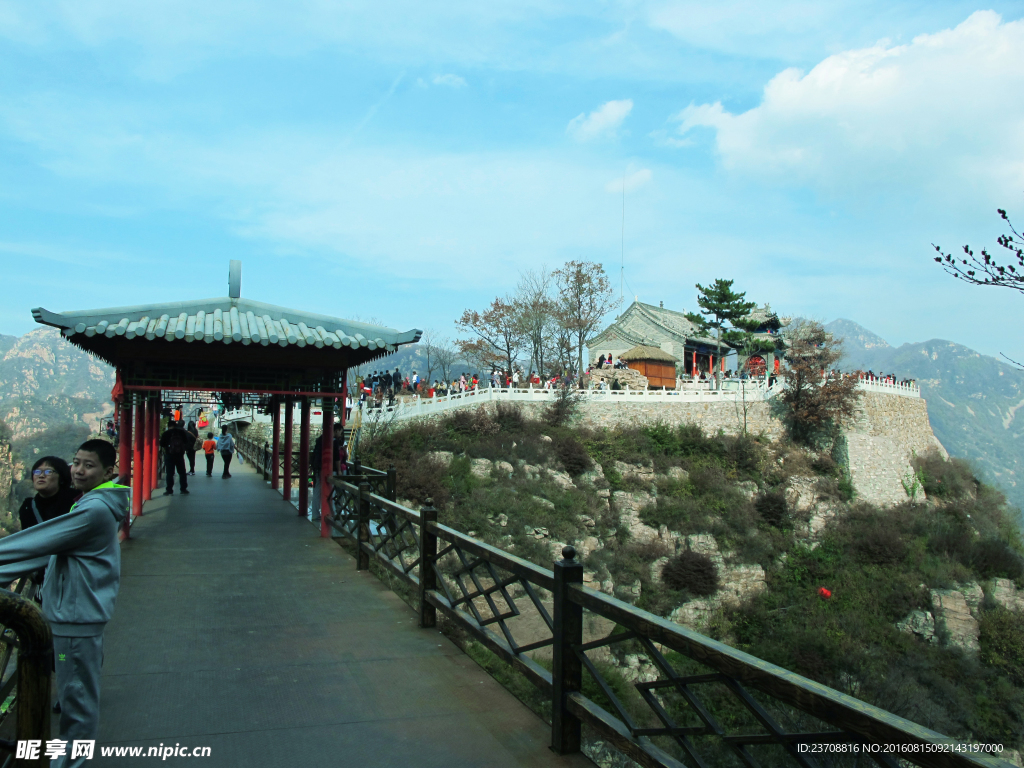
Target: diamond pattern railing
x,y
664,695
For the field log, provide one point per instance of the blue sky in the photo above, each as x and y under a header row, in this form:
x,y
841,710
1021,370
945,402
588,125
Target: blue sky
x,y
404,161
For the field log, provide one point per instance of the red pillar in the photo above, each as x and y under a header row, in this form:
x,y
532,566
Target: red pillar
x,y
139,467
154,445
124,448
275,447
148,482
289,409
304,458
326,466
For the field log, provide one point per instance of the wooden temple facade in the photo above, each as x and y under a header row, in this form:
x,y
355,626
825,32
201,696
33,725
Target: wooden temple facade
x,y
676,335
231,351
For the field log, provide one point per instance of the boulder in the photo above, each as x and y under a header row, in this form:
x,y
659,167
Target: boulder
x,y
628,506
953,615
626,377
561,479
802,493
637,471
1006,594
543,502
443,457
748,488
921,624
594,478
504,467
678,474
480,467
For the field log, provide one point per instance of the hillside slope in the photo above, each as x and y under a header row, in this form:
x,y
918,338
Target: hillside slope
x,y
45,382
974,401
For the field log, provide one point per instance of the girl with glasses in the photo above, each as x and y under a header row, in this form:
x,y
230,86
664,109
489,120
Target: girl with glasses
x,y
55,495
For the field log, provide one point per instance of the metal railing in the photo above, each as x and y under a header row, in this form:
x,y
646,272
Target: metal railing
x,y
27,640
696,701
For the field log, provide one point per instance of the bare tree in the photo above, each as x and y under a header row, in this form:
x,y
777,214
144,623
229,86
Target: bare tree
x,y
441,354
535,308
584,297
986,270
498,331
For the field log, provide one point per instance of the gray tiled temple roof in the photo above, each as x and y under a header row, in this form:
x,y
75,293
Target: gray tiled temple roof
x,y
226,321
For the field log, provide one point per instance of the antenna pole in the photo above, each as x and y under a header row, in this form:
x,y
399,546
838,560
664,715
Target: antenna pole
x,y
622,255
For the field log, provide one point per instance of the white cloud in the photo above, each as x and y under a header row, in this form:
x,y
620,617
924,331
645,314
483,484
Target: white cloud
x,y
603,121
946,108
631,181
451,81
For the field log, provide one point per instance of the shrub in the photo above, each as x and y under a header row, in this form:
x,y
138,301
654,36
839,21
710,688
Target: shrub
x,y
773,508
945,479
564,407
572,455
508,417
992,558
470,421
881,545
1002,642
691,572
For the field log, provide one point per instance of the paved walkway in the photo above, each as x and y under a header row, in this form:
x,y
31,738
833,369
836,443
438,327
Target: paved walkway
x,y
239,628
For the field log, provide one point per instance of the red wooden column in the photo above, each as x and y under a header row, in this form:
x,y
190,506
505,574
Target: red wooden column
x,y
304,458
149,482
326,466
289,409
124,448
275,447
154,444
139,467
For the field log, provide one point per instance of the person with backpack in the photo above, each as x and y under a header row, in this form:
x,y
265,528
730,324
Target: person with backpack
x,y
197,443
226,446
176,442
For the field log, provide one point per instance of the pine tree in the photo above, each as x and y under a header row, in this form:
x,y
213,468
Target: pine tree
x,y
720,303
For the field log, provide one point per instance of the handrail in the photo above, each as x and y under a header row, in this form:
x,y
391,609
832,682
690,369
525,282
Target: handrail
x,y
734,390
482,589
35,666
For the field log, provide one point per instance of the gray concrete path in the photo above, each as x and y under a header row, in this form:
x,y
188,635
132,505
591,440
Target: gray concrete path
x,y
239,628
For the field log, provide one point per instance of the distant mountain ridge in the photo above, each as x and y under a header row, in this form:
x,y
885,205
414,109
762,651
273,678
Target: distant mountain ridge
x,y
46,382
974,401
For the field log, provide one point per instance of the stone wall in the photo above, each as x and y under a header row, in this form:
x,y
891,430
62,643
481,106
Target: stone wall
x,y
883,437
885,433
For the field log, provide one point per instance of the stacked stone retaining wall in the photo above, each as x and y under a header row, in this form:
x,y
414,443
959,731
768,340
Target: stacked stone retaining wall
x,y
885,433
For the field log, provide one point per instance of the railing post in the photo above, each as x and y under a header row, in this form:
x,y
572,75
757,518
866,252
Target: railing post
x,y
35,662
357,467
567,670
363,531
428,552
391,484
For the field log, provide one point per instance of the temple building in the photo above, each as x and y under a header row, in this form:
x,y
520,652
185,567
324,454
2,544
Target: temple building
x,y
672,332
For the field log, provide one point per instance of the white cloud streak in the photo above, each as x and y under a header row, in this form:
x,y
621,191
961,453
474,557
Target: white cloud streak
x,y
450,81
603,122
946,108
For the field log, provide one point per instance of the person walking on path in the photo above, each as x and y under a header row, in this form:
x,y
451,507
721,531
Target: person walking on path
x,y
83,557
193,446
226,446
175,441
209,446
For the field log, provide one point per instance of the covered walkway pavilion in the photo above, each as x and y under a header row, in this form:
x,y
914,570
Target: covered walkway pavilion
x,y
240,628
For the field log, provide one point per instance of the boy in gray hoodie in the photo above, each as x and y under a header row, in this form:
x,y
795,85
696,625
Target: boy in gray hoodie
x,y
83,559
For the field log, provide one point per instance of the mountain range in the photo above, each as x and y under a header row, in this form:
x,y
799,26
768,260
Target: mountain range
x,y
974,401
